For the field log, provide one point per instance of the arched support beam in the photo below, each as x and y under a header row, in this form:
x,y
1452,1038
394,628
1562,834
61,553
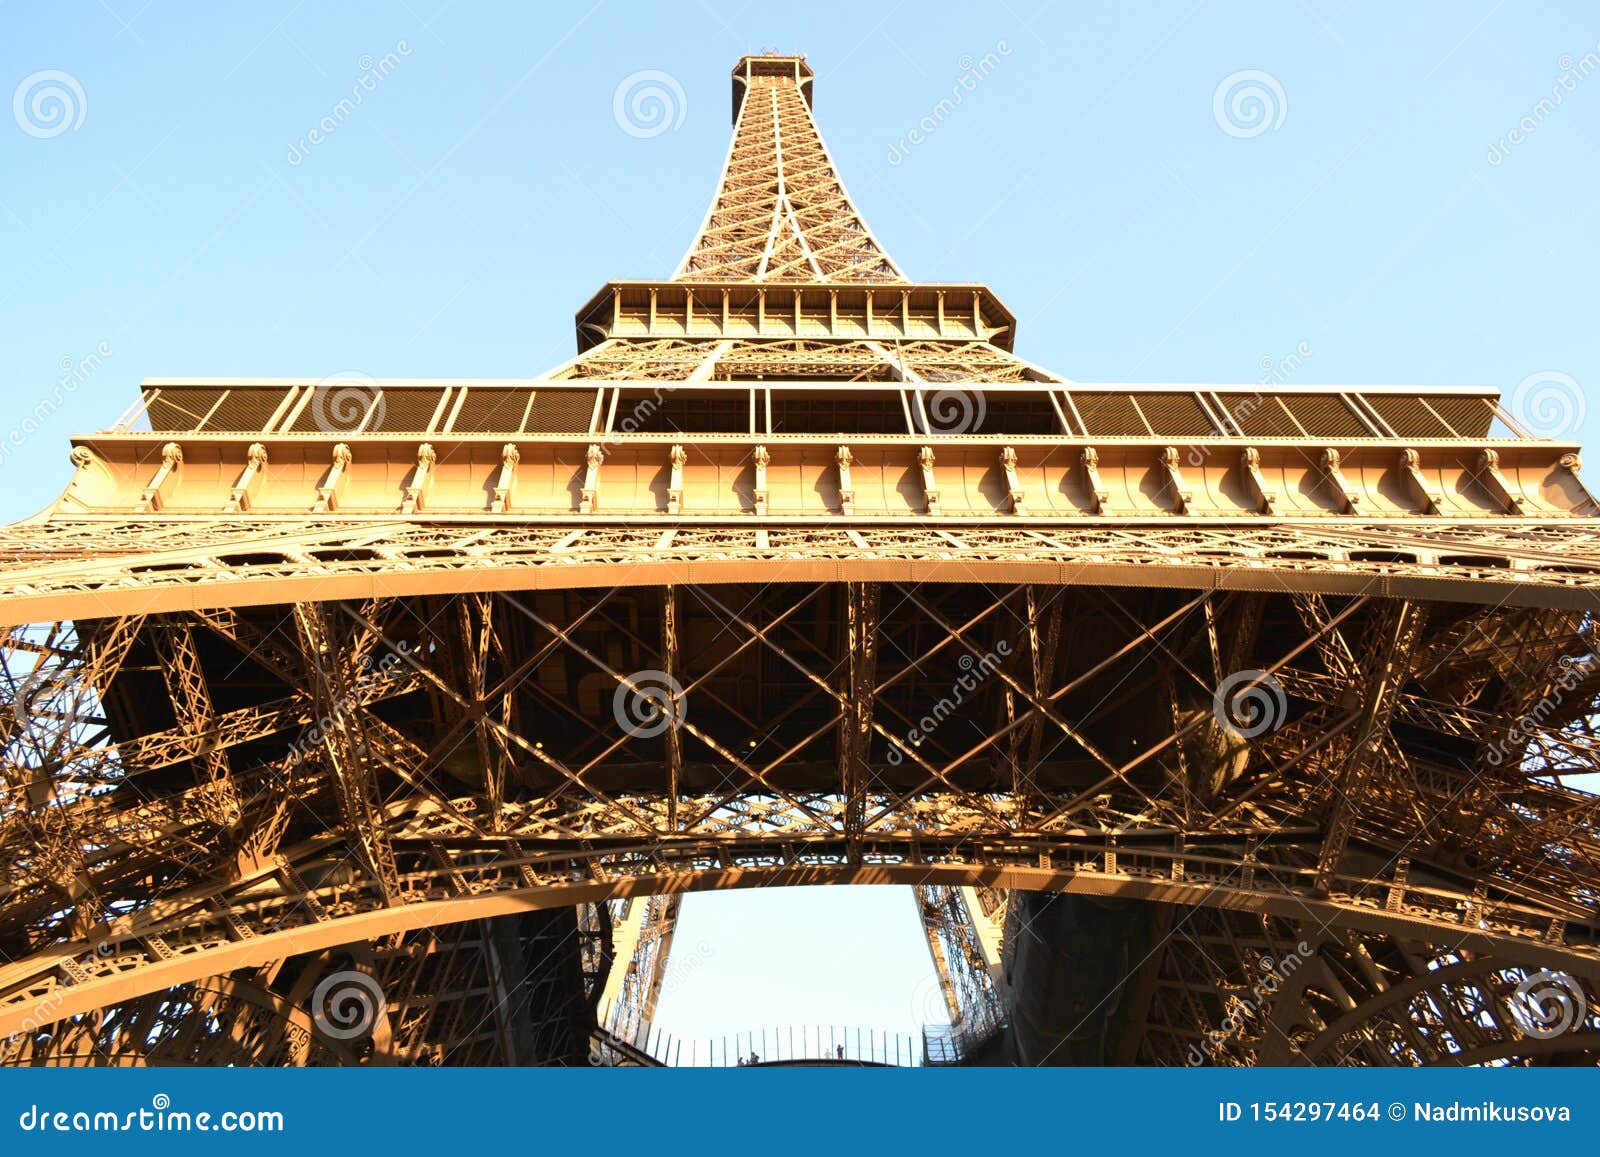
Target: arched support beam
x,y
123,977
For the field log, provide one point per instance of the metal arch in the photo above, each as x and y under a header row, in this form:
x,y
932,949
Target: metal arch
x,y
128,971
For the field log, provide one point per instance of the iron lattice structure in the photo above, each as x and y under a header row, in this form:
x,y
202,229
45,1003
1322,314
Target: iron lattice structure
x,y
441,693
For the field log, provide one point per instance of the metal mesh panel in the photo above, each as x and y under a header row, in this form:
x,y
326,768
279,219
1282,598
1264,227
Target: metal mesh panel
x,y
1325,417
491,410
1260,415
246,410
1408,417
408,410
1468,416
182,408
560,412
336,408
1111,414
1176,415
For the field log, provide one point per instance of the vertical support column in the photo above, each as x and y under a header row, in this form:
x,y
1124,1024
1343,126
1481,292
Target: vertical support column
x,y
643,945
509,457
1099,496
847,494
1008,462
678,458
1182,495
1250,463
762,460
1495,482
419,479
345,747
589,500
165,481
930,487
333,482
1348,498
191,704
1411,469
966,957
1380,679
244,489
670,664
855,719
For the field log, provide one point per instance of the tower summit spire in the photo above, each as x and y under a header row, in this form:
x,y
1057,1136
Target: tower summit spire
x,y
781,212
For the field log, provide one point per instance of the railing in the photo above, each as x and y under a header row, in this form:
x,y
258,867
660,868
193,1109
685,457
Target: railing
x,y
646,1044
954,1044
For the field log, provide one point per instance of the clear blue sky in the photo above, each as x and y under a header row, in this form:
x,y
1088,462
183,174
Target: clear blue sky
x,y
482,190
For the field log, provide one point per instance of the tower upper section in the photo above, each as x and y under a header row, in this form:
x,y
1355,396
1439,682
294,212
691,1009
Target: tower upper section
x,y
789,370
781,213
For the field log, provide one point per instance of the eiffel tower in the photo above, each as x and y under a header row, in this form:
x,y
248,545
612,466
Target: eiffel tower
x,y
390,722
